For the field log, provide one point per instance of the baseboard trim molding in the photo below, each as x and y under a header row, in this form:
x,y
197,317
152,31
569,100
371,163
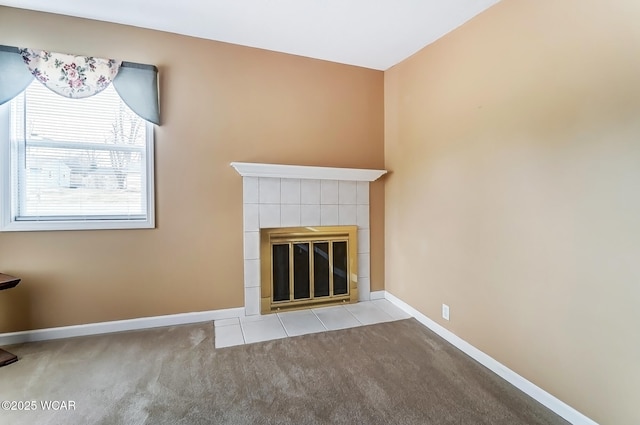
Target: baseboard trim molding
x,y
119,326
377,295
559,407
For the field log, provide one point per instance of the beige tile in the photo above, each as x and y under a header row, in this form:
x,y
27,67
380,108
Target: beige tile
x,y
367,313
227,322
336,318
310,215
363,241
364,289
269,190
290,215
267,329
290,191
363,193
250,193
251,273
328,215
347,214
393,311
328,192
310,192
252,301
364,261
251,245
363,216
347,192
228,336
301,322
251,217
269,215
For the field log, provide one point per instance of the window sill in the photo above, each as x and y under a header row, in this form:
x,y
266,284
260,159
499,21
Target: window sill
x,y
36,226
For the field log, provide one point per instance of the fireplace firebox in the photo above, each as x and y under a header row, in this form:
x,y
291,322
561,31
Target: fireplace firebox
x,y
302,267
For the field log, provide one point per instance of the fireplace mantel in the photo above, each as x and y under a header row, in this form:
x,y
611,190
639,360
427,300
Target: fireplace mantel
x,y
251,169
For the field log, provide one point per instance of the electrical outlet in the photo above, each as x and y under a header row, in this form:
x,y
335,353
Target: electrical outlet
x,y
445,312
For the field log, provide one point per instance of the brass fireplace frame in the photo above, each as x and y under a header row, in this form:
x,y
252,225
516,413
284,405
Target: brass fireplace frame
x,y
311,234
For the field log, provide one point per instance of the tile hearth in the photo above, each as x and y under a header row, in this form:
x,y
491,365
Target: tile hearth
x,y
250,329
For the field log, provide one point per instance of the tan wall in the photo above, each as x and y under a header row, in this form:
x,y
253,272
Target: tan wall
x,y
220,103
514,195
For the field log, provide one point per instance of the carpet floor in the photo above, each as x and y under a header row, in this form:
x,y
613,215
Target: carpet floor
x,y
390,373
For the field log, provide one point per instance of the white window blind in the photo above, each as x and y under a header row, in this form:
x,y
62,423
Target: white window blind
x,y
79,160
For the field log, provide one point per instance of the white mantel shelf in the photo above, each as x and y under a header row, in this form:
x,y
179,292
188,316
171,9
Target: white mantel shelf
x,y
252,169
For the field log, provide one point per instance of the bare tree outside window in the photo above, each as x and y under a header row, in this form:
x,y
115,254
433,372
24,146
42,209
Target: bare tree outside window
x,y
127,129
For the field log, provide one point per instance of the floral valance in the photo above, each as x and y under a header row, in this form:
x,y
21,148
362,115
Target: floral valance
x,y
70,75
80,76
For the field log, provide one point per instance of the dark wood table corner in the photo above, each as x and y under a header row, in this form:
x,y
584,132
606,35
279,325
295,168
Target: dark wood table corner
x,y
7,282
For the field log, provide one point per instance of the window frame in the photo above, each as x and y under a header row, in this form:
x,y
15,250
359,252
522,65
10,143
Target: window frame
x,y
8,187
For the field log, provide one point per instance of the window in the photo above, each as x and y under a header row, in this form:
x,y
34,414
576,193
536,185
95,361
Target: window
x,y
70,164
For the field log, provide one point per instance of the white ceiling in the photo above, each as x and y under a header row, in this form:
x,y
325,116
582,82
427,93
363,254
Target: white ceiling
x,y
373,34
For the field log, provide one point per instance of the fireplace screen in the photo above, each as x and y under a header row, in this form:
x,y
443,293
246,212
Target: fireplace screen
x,y
308,266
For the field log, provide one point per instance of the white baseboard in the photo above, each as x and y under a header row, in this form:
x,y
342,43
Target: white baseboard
x,y
377,295
552,403
118,326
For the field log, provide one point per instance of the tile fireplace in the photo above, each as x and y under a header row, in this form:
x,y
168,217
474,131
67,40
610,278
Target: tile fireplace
x,y
292,196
